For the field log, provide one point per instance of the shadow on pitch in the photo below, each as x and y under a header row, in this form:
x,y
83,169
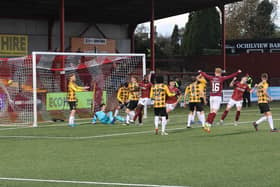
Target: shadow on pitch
x,y
232,133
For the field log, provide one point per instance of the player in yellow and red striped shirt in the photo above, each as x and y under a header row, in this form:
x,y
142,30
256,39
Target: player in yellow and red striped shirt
x,y
71,97
159,92
263,100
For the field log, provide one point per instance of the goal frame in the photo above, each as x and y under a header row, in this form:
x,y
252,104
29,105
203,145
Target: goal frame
x,y
34,76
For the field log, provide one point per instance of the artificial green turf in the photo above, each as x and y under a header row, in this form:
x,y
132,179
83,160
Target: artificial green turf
x,y
228,156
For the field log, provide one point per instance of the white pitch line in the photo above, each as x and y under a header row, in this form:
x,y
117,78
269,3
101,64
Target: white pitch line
x,y
109,135
84,182
84,137
12,128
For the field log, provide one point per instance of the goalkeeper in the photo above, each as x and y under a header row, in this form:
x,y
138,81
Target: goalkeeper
x,y
106,118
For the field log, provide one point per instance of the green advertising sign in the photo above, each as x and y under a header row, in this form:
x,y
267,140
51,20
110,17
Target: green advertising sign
x,y
58,100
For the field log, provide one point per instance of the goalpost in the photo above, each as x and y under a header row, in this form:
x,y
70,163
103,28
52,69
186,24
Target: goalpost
x,y
36,85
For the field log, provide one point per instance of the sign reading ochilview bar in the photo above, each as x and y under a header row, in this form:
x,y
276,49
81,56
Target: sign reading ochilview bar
x,y
241,46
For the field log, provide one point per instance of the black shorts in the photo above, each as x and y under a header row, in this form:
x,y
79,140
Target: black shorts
x,y
132,105
160,111
195,106
72,105
264,107
202,101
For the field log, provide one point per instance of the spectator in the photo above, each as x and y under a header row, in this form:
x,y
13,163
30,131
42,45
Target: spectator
x,y
247,95
178,83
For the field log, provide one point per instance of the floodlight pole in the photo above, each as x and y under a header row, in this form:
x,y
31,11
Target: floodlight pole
x,y
222,8
152,36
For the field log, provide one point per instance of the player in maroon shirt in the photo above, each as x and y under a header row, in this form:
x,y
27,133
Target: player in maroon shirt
x,y
171,102
236,98
145,87
216,93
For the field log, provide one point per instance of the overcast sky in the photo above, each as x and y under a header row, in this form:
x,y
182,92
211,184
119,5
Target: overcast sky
x,y
165,26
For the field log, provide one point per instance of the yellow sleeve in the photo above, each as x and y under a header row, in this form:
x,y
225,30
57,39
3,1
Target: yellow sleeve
x,y
187,90
75,87
168,92
152,93
119,95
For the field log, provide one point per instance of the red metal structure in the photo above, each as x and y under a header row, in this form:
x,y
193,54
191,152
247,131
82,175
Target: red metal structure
x,y
130,12
152,34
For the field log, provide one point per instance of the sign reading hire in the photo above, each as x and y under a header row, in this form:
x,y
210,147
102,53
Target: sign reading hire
x,y
58,100
13,45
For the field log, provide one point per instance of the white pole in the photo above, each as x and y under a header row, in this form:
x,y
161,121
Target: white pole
x,y
34,75
144,73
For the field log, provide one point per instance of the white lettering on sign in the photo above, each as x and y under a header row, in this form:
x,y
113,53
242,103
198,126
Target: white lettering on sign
x,y
95,41
258,45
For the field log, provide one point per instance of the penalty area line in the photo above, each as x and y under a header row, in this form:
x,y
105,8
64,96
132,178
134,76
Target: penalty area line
x,y
84,182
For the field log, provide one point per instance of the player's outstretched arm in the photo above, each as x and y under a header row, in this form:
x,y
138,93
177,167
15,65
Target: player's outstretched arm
x,y
232,75
254,89
209,77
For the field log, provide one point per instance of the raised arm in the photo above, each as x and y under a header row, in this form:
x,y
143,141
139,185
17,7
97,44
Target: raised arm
x,y
232,75
232,82
209,77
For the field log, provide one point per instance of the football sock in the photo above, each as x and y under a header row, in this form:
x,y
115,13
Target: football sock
x,y
201,117
262,119
131,114
189,120
270,122
163,123
237,115
211,117
193,116
71,120
140,115
137,114
116,112
224,115
156,122
127,118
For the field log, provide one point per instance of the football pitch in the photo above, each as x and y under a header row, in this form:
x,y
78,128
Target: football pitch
x,y
101,155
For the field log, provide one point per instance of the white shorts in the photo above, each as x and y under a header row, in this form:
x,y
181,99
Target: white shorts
x,y
215,102
145,101
232,102
170,107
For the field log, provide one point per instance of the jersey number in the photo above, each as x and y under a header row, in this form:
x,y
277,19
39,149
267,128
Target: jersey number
x,y
215,86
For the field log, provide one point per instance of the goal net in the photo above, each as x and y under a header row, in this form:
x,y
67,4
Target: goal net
x,y
34,88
